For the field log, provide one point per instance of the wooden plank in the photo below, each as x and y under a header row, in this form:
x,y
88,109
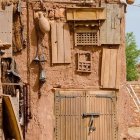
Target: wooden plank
x,y
109,24
73,121
85,14
67,44
11,118
110,28
54,42
62,119
118,70
106,62
60,45
110,70
117,30
88,118
103,31
103,66
112,73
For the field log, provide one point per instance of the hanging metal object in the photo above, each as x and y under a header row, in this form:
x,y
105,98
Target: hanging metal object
x,y
2,52
36,59
42,76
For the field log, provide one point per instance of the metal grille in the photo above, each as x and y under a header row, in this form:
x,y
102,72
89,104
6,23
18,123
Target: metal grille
x,y
86,38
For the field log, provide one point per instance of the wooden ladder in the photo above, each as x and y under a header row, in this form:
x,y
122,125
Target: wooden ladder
x,y
134,96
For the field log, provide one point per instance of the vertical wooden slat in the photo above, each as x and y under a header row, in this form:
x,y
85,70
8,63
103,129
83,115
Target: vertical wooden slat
x,y
78,118
110,28
62,118
69,119
87,119
110,117
67,44
101,120
60,49
84,120
106,68
107,116
118,70
109,23
117,30
57,113
110,70
103,28
103,66
65,119
61,46
73,116
54,42
112,74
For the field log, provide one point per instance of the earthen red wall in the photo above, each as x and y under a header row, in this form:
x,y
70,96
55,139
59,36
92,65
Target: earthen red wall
x,y
41,126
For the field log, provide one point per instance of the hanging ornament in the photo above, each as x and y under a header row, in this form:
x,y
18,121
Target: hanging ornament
x,y
44,24
130,1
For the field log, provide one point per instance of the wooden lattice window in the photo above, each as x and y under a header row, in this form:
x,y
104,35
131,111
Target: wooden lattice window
x,y
86,38
84,61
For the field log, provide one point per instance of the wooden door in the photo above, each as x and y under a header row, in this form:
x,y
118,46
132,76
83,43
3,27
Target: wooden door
x,y
70,106
104,103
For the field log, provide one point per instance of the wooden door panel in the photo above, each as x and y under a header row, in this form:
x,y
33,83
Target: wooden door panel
x,y
69,106
105,104
69,109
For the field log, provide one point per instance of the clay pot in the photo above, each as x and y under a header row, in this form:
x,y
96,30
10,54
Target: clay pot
x,y
44,24
130,1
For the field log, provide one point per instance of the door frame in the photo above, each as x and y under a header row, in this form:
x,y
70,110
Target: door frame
x,y
87,91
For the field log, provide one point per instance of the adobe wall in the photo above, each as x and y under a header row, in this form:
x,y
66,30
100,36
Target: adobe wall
x,y
41,126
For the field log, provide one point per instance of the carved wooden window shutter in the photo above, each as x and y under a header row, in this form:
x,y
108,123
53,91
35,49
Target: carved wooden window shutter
x,y
110,29
60,39
110,71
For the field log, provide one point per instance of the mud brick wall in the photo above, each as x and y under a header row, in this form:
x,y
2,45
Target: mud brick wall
x,y
41,126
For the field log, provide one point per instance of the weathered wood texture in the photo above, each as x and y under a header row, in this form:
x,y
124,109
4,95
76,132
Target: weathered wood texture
x,y
61,46
84,14
77,1
86,37
110,71
110,28
69,109
1,120
104,103
6,28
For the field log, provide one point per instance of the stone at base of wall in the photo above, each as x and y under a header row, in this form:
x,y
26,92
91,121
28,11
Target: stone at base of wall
x,y
134,132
